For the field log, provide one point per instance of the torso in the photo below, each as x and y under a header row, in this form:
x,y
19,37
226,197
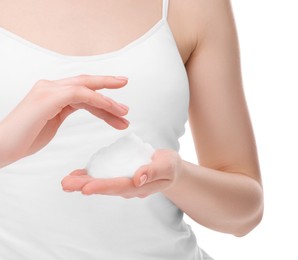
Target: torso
x,y
97,27
30,189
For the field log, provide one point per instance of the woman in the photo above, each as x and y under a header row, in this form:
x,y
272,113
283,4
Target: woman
x,y
177,60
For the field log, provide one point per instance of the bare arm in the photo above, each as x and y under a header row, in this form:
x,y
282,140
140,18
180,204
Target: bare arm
x,y
225,192
26,130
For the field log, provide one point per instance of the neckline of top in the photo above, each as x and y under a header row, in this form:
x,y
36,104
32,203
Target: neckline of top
x,y
96,57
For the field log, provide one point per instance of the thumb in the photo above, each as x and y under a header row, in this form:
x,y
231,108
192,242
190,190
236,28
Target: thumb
x,y
141,175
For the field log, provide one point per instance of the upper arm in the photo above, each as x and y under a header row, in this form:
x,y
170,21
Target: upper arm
x,y
218,113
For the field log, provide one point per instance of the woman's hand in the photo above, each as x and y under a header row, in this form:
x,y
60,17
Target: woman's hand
x,y
158,176
36,119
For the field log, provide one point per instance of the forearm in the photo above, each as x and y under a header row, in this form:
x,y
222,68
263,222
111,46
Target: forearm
x,y
225,202
17,133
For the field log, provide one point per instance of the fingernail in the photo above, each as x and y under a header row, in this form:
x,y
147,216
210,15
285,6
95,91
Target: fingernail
x,y
126,108
125,121
68,190
121,78
143,180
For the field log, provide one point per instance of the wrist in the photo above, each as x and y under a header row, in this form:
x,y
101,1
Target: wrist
x,y
177,183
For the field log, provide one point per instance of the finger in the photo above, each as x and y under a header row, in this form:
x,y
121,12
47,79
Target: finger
x,y
150,188
112,187
119,123
152,172
75,181
116,108
65,112
78,96
94,82
79,172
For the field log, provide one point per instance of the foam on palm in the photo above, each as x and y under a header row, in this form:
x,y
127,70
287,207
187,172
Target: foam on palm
x,y
120,159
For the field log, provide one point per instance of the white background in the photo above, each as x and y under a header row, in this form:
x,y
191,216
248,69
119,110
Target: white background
x,y
268,37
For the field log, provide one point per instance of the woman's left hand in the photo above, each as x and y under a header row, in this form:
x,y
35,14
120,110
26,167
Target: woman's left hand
x,y
161,174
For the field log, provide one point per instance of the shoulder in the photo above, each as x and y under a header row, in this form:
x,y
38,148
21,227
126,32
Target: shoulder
x,y
190,21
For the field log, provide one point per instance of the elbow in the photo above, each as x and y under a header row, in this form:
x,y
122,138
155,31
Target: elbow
x,y
247,227
253,215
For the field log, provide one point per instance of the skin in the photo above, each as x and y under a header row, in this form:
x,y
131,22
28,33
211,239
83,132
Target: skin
x,y
227,182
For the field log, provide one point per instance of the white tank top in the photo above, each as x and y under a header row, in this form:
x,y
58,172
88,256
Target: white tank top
x,y
38,220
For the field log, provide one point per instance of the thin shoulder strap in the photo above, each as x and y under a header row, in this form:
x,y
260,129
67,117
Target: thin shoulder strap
x,y
165,7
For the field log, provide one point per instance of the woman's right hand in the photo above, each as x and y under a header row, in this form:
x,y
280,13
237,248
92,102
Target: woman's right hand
x,y
36,119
